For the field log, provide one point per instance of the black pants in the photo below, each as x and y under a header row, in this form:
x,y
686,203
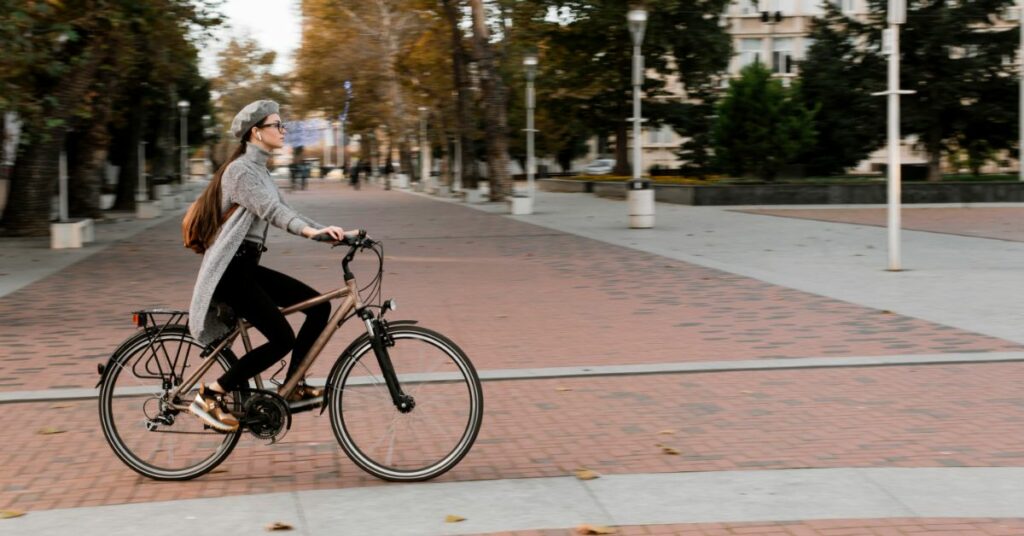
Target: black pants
x,y
255,293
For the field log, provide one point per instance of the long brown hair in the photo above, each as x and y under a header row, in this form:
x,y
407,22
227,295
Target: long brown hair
x,y
209,217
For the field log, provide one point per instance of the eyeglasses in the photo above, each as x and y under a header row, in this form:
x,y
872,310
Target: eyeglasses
x,y
278,125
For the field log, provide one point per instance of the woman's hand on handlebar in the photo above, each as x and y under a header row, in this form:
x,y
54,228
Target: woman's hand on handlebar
x,y
327,234
331,234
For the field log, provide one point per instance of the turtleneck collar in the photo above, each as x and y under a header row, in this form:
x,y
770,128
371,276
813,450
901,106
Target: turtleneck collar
x,y
255,153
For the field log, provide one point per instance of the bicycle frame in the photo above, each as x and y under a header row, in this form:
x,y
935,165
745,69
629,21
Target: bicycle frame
x,y
351,302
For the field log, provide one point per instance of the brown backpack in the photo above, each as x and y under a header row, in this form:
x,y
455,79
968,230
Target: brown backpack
x,y
190,227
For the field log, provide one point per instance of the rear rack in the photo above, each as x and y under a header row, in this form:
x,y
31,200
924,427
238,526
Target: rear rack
x,y
162,361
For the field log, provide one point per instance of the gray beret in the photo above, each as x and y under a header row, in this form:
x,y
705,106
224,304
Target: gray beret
x,y
251,114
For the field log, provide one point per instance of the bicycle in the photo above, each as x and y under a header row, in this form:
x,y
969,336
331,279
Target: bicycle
x,y
397,377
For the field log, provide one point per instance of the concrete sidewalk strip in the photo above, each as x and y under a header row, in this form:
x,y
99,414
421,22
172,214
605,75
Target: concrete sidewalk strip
x,y
49,395
524,504
952,280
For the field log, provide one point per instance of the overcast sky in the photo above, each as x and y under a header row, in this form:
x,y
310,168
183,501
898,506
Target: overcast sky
x,y
275,24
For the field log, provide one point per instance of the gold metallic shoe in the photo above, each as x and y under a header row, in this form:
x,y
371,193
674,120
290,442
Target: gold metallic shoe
x,y
305,394
209,406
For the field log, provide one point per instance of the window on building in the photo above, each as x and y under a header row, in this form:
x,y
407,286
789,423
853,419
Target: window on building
x,y
812,7
787,7
748,7
846,6
750,52
660,136
782,55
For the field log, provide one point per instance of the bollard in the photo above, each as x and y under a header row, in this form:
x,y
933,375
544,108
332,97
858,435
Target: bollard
x,y
641,204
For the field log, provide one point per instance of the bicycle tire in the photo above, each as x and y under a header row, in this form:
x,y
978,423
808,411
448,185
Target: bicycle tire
x,y
117,364
339,384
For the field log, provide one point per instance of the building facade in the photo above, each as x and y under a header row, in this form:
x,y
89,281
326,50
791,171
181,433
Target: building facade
x,y
775,33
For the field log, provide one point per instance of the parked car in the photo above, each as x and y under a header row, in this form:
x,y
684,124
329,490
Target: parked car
x,y
601,166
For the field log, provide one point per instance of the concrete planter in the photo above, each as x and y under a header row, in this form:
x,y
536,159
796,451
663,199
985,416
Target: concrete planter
x,y
521,206
107,201
72,233
475,197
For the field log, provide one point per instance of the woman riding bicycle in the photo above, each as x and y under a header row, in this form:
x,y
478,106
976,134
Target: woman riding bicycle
x,y
243,191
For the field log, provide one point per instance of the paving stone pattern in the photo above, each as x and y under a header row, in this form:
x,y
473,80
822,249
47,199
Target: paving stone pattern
x,y
512,294
907,416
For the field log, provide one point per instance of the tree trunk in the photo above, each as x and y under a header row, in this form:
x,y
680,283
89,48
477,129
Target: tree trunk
x,y
405,158
935,165
166,150
463,102
85,180
933,146
495,102
128,179
33,183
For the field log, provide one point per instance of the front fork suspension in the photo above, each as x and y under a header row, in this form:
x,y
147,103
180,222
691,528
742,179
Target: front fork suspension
x,y
381,340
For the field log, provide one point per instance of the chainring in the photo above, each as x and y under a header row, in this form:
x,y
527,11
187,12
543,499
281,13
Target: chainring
x,y
266,415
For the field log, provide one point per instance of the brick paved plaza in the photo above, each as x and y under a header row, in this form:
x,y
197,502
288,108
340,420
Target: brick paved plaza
x,y
517,296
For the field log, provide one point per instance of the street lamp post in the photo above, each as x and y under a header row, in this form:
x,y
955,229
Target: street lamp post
x,y
424,149
183,106
1020,110
641,194
891,47
530,63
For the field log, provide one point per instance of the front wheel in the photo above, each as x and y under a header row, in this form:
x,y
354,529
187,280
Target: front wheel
x,y
410,445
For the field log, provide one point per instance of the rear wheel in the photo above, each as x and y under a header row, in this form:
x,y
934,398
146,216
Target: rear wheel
x,y
148,433
415,444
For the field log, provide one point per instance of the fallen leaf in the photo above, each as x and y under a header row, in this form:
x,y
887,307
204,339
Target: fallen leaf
x,y
61,406
8,514
450,518
670,451
587,474
277,525
594,529
563,389
666,432
49,430
218,470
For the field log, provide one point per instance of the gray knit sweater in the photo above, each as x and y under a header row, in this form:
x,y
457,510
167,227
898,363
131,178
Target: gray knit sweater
x,y
245,182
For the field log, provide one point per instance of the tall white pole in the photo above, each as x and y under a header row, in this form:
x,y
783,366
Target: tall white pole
x,y
897,16
894,149
458,164
141,192
638,63
341,148
184,144
640,193
424,148
530,162
62,184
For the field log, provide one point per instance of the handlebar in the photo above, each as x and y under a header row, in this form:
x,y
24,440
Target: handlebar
x,y
359,239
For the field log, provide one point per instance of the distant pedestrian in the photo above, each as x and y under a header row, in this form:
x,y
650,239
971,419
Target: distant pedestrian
x,y
354,177
389,170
